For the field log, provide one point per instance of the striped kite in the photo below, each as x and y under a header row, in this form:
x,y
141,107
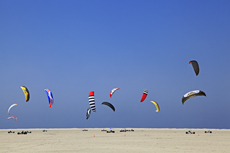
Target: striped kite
x,y
92,101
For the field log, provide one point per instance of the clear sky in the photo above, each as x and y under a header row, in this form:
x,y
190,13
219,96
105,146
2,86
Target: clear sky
x,y
73,47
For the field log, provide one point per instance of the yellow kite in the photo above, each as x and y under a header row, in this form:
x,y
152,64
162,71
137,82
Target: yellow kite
x,y
26,92
157,106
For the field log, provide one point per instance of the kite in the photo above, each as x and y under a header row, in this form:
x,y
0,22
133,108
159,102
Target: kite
x,y
88,113
11,107
26,93
157,106
113,90
50,97
92,101
13,117
192,94
195,66
144,95
109,104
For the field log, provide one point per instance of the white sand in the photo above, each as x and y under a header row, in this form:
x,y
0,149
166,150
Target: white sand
x,y
94,140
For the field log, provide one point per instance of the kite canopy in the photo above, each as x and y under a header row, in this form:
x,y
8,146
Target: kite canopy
x,y
92,101
13,117
113,90
195,66
192,94
88,113
157,106
26,93
11,107
144,95
109,104
50,97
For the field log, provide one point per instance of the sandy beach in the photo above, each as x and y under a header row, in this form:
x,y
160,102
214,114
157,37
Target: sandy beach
x,y
95,140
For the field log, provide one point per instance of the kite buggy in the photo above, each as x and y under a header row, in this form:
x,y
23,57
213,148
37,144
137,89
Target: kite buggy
x,y
190,132
111,131
124,130
24,132
208,131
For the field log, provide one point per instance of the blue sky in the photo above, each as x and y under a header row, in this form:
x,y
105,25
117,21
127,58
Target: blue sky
x,y
74,47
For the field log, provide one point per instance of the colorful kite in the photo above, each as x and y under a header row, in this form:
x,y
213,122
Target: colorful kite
x,y
50,97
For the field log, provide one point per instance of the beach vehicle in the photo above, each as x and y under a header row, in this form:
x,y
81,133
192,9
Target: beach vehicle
x,y
23,132
103,130
208,131
85,130
190,132
123,130
111,131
